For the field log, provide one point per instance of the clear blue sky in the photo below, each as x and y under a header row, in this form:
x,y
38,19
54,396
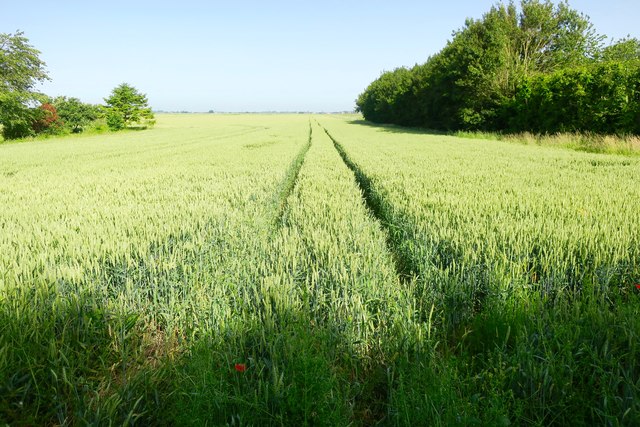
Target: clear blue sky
x,y
249,55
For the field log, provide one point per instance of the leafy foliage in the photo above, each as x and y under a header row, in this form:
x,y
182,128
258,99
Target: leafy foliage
x,y
46,119
15,116
126,106
627,49
75,114
482,78
20,66
601,98
20,70
389,97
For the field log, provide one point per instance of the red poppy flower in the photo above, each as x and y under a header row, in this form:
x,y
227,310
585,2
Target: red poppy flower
x,y
638,286
240,367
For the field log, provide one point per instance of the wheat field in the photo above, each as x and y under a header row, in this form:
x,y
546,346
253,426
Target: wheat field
x,y
316,270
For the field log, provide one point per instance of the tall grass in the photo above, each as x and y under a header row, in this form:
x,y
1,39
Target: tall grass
x,y
579,141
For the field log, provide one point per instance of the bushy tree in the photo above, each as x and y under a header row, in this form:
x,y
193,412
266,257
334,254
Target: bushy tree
x,y
601,97
625,50
75,114
385,97
115,120
20,70
46,119
488,58
478,78
126,106
15,116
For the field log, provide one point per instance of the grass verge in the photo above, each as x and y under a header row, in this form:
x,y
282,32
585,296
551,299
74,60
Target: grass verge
x,y
588,142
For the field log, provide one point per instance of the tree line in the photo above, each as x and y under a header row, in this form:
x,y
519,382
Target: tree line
x,y
535,67
25,112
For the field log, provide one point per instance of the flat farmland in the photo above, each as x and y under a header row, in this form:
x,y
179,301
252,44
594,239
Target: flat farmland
x,y
316,270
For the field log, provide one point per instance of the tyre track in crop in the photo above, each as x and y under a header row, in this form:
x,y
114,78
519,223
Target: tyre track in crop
x,y
290,179
375,205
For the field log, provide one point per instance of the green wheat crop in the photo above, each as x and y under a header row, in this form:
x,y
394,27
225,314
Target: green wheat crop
x,y
296,270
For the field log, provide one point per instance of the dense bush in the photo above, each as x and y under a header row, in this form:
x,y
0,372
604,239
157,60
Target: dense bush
x,y
537,68
16,118
115,120
46,119
391,97
603,98
75,114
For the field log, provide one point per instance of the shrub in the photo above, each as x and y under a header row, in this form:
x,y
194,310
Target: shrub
x,y
115,121
46,120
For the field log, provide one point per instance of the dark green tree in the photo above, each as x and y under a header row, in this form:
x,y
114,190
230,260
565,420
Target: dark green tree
x,y
126,107
20,70
382,101
75,114
471,83
491,56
